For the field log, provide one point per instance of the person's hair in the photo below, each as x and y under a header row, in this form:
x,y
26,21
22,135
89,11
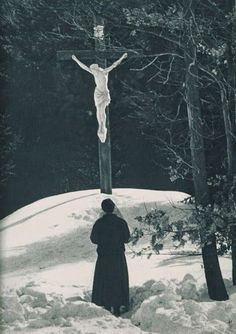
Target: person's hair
x,y
108,205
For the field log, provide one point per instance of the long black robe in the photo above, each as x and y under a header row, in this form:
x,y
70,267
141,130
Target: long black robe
x,y
111,280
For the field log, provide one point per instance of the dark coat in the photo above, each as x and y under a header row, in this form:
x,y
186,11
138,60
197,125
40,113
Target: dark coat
x,y
111,281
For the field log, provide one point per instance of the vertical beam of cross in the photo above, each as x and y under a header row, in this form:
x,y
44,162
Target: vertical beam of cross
x,y
104,149
100,55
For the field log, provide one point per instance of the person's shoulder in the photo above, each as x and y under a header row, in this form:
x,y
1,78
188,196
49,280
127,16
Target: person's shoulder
x,y
101,218
99,221
121,220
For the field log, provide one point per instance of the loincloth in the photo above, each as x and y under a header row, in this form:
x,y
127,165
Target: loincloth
x,y
102,97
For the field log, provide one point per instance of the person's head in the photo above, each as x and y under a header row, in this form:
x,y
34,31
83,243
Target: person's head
x,y
94,67
108,205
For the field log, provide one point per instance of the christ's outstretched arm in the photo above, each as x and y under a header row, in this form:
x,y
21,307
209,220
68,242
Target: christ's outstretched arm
x,y
82,65
116,63
101,94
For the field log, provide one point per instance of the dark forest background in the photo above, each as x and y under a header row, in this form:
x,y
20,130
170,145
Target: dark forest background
x,y
48,124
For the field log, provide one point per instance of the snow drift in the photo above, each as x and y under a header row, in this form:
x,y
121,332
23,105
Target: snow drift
x,y
48,263
166,306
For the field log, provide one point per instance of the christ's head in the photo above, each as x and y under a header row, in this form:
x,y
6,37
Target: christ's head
x,y
94,67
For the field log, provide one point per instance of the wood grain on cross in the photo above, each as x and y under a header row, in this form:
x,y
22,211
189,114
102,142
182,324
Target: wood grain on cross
x,y
100,56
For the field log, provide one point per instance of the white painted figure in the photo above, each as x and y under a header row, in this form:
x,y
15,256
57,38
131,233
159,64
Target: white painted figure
x,y
101,94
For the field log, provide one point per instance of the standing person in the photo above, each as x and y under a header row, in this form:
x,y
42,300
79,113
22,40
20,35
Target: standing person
x,y
111,281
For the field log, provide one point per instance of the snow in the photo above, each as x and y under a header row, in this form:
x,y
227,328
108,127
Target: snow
x,y
177,308
48,264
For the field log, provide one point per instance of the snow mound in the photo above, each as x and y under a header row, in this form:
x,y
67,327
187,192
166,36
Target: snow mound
x,y
177,308
30,311
165,306
48,262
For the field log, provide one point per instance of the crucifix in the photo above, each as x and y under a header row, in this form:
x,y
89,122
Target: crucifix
x,y
101,95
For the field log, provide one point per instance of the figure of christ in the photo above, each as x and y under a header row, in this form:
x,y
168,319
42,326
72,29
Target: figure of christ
x,y
101,94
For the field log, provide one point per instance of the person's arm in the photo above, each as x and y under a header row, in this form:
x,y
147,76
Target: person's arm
x,y
83,66
126,232
94,234
116,63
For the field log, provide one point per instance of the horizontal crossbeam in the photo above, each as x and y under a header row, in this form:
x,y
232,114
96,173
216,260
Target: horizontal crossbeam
x,y
64,55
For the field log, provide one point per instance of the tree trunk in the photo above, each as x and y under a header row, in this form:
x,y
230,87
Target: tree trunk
x,y
233,248
230,116
230,93
214,279
231,62
228,134
215,283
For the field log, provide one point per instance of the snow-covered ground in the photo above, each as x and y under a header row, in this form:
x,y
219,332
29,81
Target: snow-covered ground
x,y
48,263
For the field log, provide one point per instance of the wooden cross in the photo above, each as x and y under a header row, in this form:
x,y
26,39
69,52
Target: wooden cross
x,y
100,54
